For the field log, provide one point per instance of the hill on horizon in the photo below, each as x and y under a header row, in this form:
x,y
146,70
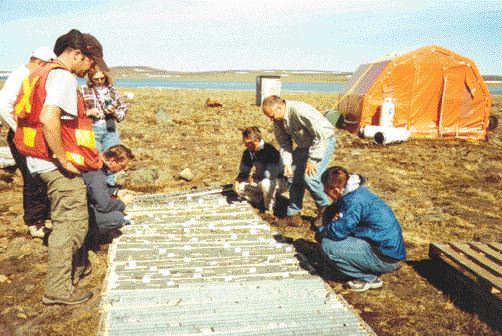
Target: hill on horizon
x,y
151,73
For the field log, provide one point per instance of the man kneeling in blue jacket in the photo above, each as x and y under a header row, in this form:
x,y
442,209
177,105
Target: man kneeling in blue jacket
x,y
107,204
360,235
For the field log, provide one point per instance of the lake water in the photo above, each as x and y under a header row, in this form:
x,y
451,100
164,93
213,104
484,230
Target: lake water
x,y
198,84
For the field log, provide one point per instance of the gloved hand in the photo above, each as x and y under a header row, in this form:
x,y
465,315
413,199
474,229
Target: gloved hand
x,y
127,221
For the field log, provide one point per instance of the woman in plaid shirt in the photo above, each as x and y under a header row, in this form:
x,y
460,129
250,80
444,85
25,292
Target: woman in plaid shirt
x,y
105,107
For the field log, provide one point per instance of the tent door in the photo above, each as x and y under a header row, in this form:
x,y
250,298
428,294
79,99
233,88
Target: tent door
x,y
452,100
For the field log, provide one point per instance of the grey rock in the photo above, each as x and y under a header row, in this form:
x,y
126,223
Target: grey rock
x,y
186,174
142,176
213,102
163,118
18,247
221,150
29,289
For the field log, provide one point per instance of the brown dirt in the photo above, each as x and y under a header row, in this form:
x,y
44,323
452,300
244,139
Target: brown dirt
x,y
440,191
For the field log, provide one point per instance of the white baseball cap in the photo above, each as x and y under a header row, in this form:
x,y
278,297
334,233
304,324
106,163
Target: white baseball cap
x,y
43,53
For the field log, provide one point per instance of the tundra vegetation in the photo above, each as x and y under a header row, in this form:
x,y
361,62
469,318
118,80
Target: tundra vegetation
x,y
440,190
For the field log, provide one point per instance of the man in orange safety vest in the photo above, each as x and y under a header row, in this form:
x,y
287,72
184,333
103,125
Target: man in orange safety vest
x,y
57,138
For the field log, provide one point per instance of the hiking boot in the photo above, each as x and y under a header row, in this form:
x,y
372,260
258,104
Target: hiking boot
x,y
81,272
127,221
36,232
40,229
107,236
114,233
79,295
357,285
318,220
48,224
295,221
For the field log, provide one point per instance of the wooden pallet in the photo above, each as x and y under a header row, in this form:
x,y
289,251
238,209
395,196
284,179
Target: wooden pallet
x,y
474,270
480,262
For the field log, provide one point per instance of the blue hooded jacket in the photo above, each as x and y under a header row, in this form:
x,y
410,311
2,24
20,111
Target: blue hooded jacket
x,y
362,214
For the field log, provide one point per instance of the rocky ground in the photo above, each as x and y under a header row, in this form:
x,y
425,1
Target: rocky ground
x,y
441,191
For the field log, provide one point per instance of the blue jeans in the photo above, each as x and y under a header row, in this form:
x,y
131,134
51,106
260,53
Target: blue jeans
x,y
312,183
104,140
355,258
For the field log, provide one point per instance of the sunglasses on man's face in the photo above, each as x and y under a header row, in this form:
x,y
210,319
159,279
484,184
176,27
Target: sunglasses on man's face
x,y
89,57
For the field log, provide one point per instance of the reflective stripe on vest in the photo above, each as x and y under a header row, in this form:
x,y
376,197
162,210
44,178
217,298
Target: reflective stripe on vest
x,y
85,138
76,158
29,136
24,103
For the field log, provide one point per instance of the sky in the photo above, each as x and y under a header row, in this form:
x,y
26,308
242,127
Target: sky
x,y
210,35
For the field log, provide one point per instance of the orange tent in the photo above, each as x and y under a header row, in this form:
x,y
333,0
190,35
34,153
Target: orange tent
x,y
436,94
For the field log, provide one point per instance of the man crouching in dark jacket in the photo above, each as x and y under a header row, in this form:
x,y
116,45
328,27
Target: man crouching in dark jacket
x,y
107,204
360,237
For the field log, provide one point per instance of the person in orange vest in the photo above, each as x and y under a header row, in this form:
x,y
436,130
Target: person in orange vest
x,y
56,136
35,202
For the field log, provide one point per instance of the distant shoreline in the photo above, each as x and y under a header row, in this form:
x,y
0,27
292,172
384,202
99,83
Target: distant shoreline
x,y
184,83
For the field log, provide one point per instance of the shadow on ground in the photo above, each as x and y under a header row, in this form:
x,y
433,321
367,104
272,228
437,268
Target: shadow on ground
x,y
460,290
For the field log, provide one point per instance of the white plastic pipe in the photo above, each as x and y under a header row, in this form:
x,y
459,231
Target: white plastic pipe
x,y
369,131
391,135
384,135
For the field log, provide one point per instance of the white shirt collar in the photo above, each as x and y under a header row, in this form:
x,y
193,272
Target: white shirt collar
x,y
262,144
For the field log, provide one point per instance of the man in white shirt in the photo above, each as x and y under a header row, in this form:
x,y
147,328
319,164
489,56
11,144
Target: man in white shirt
x,y
35,202
299,123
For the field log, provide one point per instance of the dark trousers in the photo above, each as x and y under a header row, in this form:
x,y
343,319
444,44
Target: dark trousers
x,y
36,204
100,225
